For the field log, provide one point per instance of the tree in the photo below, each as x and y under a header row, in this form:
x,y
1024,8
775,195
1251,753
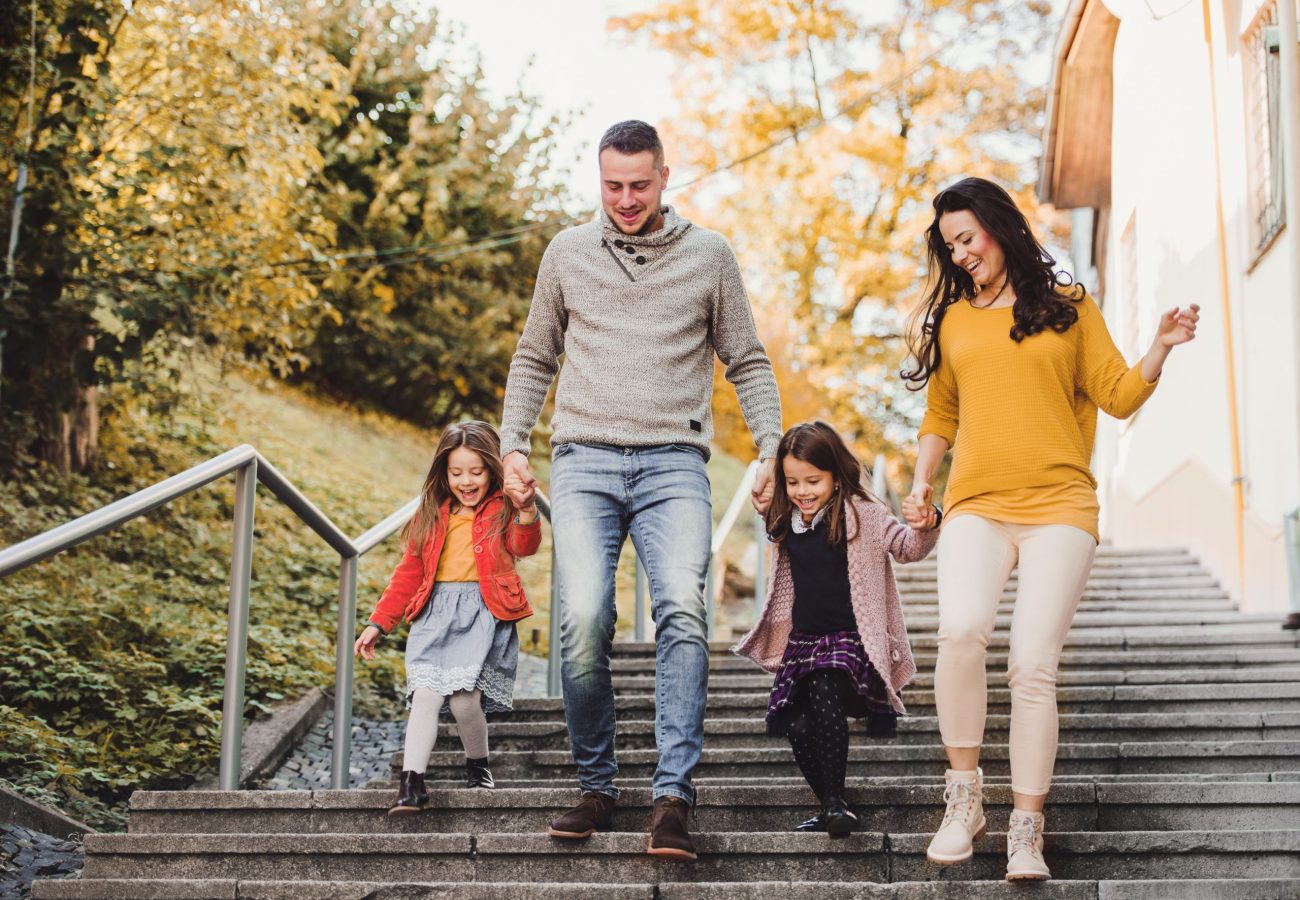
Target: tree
x,y
832,125
427,316
170,146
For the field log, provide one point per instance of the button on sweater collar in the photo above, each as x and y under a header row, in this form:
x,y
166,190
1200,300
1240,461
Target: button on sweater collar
x,y
672,231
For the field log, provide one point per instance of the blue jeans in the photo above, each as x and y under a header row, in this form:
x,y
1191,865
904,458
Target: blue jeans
x,y
660,495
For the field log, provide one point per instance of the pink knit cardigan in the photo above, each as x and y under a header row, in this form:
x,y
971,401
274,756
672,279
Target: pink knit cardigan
x,y
873,536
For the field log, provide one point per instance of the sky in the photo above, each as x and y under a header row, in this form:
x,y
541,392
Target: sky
x,y
562,52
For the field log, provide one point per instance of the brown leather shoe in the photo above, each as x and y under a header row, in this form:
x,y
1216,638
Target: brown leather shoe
x,y
593,813
670,835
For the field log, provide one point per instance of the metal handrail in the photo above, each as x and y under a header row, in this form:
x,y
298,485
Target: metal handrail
x,y
249,467
720,533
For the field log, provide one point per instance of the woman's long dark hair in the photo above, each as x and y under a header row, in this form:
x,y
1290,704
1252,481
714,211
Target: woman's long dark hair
x,y
1045,298
483,439
817,444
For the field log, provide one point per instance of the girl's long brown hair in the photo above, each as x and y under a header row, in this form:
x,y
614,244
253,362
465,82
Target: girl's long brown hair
x,y
817,444
483,439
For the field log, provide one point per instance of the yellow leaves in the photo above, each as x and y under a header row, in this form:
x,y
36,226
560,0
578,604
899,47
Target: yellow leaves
x,y
385,295
462,386
89,68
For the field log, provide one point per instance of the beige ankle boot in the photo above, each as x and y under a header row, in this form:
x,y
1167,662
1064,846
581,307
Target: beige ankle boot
x,y
1025,848
963,820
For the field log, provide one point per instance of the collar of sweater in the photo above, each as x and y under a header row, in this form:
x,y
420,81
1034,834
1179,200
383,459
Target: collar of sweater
x,y
796,520
674,228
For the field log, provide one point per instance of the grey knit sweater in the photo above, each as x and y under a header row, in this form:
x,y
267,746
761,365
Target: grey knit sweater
x,y
638,320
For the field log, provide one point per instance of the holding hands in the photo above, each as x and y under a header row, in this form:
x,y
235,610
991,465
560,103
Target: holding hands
x,y
520,485
918,508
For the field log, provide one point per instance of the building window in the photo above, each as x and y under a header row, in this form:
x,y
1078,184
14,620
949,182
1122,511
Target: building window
x,y
1264,128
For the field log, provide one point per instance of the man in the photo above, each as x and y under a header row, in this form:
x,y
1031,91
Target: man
x,y
638,300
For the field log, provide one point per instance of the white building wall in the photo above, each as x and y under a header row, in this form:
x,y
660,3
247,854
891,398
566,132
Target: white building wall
x,y
1166,476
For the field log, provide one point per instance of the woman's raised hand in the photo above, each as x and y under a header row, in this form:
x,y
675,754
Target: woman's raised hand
x,y
365,645
1178,326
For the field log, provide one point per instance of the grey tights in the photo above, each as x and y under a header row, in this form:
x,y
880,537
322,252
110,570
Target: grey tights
x,y
422,726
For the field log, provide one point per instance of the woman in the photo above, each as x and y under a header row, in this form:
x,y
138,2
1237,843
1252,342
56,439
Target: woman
x,y
1017,359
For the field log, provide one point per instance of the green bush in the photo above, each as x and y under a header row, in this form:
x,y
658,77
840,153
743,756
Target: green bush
x,y
113,671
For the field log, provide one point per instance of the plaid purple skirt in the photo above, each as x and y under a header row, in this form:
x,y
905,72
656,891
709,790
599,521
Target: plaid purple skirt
x,y
839,650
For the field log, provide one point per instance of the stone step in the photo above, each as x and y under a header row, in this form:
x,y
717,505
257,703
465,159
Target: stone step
x,y
1220,637
921,605
920,592
230,889
897,808
1155,698
724,856
1092,658
760,681
240,889
791,780
1105,574
879,758
750,731
1126,620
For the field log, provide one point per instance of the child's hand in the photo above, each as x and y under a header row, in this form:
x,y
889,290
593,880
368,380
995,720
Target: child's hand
x,y
365,645
918,515
521,493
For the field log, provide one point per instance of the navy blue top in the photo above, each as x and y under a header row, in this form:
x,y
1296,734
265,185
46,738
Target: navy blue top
x,y
822,602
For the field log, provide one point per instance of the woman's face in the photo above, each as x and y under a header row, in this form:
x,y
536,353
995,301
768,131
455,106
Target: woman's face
x,y
972,248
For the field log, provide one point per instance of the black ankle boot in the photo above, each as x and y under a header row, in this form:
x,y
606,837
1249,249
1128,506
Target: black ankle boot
x,y
839,820
411,796
477,774
816,823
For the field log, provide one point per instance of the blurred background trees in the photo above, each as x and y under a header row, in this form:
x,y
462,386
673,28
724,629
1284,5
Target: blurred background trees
x,y
824,129
292,185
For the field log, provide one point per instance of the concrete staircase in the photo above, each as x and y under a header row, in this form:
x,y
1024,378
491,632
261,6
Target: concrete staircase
x,y
1178,777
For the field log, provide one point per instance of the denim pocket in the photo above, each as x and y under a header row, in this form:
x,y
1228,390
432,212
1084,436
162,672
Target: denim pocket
x,y
560,450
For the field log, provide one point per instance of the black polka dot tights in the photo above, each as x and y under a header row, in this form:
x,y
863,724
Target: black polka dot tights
x,y
819,732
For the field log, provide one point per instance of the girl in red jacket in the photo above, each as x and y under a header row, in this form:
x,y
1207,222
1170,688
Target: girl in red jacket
x,y
457,586
832,628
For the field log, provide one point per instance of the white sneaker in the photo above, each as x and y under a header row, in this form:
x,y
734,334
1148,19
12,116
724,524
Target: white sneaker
x,y
1025,848
963,820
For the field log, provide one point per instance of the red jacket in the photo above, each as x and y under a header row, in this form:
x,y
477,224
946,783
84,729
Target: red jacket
x,y
408,589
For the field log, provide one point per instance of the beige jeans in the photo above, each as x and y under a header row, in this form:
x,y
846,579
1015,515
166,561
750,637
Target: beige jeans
x,y
976,555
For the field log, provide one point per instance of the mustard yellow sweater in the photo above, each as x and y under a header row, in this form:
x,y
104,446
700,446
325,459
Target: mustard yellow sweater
x,y
1022,417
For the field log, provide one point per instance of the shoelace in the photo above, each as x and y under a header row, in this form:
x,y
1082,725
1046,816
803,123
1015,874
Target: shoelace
x,y
959,796
1023,834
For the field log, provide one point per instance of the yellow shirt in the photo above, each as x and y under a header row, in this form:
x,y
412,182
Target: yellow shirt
x,y
1022,417
456,563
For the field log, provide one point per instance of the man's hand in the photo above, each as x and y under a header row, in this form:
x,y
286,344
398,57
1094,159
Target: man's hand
x,y
519,485
764,486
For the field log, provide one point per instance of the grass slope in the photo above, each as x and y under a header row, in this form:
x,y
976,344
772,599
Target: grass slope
x,y
115,650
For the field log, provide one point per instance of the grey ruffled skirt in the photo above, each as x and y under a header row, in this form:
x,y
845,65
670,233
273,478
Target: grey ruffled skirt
x,y
455,644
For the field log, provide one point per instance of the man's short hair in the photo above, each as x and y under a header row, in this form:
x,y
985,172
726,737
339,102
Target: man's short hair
x,y
632,137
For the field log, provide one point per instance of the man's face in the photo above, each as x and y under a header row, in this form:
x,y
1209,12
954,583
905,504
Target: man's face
x,y
630,190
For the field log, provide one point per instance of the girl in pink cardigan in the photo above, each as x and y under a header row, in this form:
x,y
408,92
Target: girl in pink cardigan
x,y
832,628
